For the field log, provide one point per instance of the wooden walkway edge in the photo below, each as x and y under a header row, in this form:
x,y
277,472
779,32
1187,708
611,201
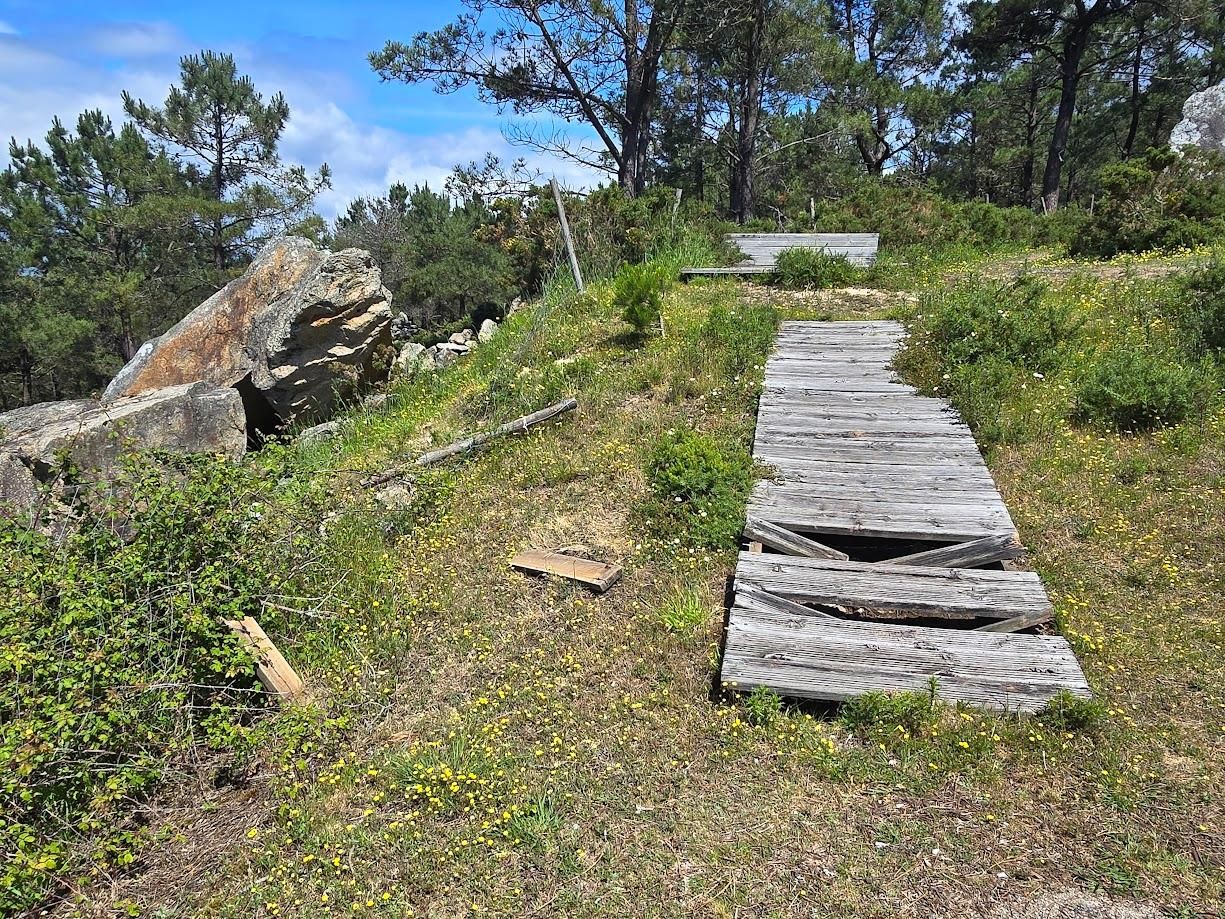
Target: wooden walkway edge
x,y
880,538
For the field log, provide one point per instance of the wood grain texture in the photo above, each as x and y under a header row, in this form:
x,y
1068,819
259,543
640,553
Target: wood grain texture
x,y
835,660
596,575
271,669
787,541
953,593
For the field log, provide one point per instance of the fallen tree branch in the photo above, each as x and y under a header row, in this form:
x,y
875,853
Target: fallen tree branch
x,y
518,426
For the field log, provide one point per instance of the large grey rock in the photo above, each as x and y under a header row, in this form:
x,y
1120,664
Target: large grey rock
x,y
93,436
1203,121
488,330
300,327
20,492
410,359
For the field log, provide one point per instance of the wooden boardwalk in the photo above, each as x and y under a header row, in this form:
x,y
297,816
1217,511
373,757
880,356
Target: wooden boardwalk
x,y
761,250
878,548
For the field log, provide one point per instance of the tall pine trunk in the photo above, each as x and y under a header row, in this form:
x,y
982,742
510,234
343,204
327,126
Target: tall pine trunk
x,y
1074,47
743,193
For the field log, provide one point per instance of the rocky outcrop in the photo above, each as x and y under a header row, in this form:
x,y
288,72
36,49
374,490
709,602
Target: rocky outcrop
x,y
91,436
299,328
193,418
1203,121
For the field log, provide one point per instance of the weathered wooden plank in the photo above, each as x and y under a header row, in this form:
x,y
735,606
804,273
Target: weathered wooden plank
x,y
596,575
835,660
271,669
753,597
787,541
967,554
1016,623
954,593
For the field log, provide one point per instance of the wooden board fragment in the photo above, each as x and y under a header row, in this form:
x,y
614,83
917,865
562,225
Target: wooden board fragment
x,y
271,668
751,596
971,554
596,575
787,541
1017,623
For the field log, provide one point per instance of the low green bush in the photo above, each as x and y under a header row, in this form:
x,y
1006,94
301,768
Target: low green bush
x,y
876,714
638,294
813,269
1135,387
1198,310
1164,200
1066,712
699,486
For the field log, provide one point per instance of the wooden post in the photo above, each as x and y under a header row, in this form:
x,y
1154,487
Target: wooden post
x,y
565,235
676,206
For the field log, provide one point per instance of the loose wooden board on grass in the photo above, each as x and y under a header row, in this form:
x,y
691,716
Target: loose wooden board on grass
x,y
595,575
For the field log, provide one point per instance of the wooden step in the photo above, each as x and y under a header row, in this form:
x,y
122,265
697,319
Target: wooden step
x,y
835,660
903,590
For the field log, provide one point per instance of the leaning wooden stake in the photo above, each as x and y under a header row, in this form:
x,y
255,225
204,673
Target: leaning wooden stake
x,y
565,235
518,426
271,667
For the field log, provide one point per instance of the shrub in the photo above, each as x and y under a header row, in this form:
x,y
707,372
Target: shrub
x,y
813,269
115,658
637,294
699,485
1160,201
1134,388
1199,309
764,706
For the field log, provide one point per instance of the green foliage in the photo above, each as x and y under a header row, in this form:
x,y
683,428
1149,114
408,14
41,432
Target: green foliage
x,y
638,293
813,269
113,658
699,485
879,714
764,706
1066,712
1133,386
1164,200
976,344
1199,309
684,613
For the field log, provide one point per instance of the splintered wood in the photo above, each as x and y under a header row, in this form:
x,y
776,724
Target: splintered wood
x,y
860,456
596,575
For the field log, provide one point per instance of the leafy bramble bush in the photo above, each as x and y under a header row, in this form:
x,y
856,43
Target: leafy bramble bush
x,y
699,486
1163,200
813,269
114,658
1135,388
638,293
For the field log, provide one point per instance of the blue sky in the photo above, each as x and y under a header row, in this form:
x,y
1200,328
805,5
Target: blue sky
x,y
63,57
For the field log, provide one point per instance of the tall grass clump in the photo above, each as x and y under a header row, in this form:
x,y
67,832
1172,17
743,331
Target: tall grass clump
x,y
638,292
814,269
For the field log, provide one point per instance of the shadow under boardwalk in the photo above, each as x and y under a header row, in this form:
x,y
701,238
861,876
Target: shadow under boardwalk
x,y
879,550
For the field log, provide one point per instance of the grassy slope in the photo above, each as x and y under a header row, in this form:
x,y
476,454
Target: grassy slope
x,y
521,747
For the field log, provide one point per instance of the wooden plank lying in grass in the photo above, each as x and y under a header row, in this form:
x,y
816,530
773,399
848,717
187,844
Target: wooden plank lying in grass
x,y
836,659
596,575
787,541
271,668
967,554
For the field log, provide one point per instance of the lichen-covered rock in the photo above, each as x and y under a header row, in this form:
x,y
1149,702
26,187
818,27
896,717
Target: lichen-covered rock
x,y
20,491
301,326
1203,121
93,436
487,331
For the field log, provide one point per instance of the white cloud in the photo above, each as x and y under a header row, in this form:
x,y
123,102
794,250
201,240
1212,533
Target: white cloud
x,y
6,29
38,82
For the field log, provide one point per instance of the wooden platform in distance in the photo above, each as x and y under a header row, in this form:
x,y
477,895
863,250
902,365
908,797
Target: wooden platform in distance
x,y
856,454
761,250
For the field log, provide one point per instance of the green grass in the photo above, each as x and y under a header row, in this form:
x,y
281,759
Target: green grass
x,y
482,741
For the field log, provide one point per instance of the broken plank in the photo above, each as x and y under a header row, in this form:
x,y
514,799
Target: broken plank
x,y
754,597
596,575
271,668
787,541
971,554
1016,623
